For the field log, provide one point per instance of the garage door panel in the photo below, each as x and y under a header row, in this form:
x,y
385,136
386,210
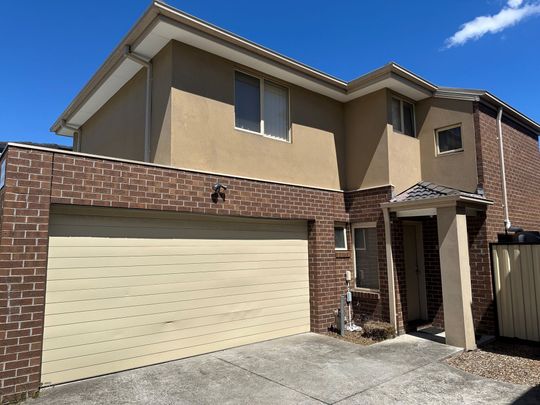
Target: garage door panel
x,y
167,346
126,292
226,278
236,248
63,306
235,303
180,268
74,373
162,322
57,339
183,281
97,262
141,291
153,337
168,230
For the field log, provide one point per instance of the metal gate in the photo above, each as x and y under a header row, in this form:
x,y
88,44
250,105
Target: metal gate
x,y
516,271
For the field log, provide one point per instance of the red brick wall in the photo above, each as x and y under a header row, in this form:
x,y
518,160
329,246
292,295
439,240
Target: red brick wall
x,y
432,266
23,261
36,179
522,161
364,206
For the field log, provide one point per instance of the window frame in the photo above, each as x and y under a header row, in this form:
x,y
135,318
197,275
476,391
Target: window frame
x,y
363,226
402,116
344,227
438,130
262,80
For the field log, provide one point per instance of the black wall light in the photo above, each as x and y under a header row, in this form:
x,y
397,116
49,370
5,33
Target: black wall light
x,y
219,191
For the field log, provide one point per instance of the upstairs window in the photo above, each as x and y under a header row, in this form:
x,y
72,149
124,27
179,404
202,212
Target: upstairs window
x,y
403,117
261,106
449,139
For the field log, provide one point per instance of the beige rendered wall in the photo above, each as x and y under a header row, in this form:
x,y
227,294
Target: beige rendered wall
x,y
405,169
117,128
457,169
404,160
366,144
204,137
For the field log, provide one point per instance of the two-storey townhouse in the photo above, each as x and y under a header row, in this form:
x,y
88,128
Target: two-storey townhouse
x,y
218,192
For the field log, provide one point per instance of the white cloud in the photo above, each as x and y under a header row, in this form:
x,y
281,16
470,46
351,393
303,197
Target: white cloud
x,y
510,15
514,3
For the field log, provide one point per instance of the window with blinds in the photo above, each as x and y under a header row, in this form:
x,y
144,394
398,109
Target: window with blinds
x,y
261,106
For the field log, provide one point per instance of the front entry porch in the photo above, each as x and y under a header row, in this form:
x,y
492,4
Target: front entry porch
x,y
428,254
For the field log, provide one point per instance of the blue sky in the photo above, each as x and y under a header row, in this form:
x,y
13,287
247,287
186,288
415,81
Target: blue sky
x,y
51,48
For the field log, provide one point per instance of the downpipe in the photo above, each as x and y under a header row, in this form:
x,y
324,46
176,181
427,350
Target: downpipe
x,y
507,223
148,106
77,132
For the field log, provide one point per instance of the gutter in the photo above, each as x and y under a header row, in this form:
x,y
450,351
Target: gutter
x,y
507,223
148,101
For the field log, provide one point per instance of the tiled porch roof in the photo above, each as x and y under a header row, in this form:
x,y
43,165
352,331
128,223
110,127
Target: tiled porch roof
x,y
425,190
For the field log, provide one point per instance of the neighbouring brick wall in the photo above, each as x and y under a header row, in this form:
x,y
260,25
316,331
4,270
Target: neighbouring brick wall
x,y
23,263
522,164
36,179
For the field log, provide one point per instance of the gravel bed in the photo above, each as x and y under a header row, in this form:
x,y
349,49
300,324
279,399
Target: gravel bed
x,y
515,362
353,337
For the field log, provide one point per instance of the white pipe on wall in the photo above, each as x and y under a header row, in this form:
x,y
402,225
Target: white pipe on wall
x,y
507,223
148,110
77,133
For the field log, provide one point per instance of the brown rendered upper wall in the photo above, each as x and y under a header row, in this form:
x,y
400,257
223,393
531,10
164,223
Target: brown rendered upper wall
x,y
333,145
458,169
204,137
117,128
366,152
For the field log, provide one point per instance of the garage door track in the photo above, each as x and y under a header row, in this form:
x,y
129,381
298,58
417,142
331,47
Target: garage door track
x,y
301,369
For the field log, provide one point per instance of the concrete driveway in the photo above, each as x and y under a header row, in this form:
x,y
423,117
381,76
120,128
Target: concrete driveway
x,y
302,369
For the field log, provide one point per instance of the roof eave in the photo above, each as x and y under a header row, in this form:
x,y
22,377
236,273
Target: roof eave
x,y
443,201
484,95
115,56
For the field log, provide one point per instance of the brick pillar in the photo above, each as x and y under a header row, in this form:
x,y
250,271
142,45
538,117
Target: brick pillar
x,y
23,263
323,281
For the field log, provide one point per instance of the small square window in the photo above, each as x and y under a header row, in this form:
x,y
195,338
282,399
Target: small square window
x,y
340,237
449,139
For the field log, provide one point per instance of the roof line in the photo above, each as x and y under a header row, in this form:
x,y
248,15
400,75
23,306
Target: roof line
x,y
477,94
338,87
202,25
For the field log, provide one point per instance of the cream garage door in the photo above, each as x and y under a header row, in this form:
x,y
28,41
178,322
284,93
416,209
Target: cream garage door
x,y
126,292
